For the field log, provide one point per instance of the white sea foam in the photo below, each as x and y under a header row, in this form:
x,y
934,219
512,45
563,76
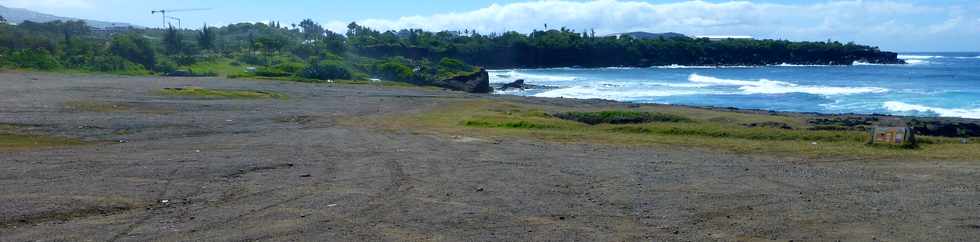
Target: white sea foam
x,y
764,86
896,106
676,66
919,57
795,65
506,76
592,92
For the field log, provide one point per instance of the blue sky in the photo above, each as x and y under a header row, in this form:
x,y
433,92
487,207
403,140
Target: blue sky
x,y
912,25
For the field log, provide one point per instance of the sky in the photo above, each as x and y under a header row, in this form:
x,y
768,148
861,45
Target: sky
x,y
905,26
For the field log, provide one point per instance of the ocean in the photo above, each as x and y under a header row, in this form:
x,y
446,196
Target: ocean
x,y
931,85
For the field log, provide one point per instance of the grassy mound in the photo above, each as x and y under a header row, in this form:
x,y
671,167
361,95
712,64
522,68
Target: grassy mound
x,y
620,117
216,93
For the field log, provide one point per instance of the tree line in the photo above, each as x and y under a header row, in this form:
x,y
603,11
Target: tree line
x,y
310,51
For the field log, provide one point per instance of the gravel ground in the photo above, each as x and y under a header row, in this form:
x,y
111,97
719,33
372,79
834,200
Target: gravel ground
x,y
220,170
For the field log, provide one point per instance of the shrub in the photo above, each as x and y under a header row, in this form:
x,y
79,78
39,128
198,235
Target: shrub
x,y
184,60
39,59
454,65
114,64
326,70
166,66
449,68
620,117
135,49
395,71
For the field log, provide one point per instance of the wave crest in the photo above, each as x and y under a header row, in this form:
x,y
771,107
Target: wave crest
x,y
908,108
765,86
507,76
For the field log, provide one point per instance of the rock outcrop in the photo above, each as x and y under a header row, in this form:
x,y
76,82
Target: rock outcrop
x,y
477,82
945,129
518,84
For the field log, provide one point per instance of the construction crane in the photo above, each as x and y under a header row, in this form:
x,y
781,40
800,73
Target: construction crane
x,y
165,11
178,21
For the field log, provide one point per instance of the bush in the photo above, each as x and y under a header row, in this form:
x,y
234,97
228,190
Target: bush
x,y
453,65
280,70
449,68
395,71
620,117
326,70
166,66
39,59
114,64
135,49
184,60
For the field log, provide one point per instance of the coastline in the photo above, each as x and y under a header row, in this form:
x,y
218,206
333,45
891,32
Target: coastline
x,y
370,162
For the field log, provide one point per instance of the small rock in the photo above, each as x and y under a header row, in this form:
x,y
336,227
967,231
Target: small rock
x,y
479,189
306,175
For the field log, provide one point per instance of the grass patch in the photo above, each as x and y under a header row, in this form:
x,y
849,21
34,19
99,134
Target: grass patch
x,y
219,66
94,106
225,94
713,129
12,140
620,117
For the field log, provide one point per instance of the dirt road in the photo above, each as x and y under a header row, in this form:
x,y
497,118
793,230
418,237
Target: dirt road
x,y
174,168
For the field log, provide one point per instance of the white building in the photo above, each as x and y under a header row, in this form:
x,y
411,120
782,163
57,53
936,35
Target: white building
x,y
723,37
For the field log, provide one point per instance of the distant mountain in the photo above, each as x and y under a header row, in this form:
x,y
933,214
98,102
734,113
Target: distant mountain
x,y
646,35
19,15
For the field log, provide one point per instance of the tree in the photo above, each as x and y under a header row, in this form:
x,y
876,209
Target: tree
x,y
3,20
173,43
134,48
311,30
206,38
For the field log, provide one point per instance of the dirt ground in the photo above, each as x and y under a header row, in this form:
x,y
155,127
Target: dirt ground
x,y
166,168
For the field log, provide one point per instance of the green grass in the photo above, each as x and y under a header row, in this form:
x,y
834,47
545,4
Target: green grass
x,y
11,139
703,128
620,117
221,67
96,106
222,94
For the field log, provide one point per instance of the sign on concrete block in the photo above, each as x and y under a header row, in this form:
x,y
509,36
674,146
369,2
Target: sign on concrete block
x,y
892,135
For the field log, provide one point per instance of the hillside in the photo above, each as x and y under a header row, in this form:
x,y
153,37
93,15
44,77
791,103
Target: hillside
x,y
19,15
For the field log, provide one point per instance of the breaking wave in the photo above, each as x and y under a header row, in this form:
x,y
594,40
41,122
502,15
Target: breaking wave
x,y
764,86
507,76
619,94
915,109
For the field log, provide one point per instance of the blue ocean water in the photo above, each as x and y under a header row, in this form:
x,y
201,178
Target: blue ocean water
x,y
932,84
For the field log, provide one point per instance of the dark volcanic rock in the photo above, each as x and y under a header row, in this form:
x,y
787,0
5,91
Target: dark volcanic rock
x,y
518,84
478,82
945,129
770,124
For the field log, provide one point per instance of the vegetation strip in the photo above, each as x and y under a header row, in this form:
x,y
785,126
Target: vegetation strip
x,y
664,125
309,52
216,93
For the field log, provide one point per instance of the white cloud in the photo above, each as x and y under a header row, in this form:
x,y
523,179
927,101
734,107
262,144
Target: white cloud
x,y
858,20
47,4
